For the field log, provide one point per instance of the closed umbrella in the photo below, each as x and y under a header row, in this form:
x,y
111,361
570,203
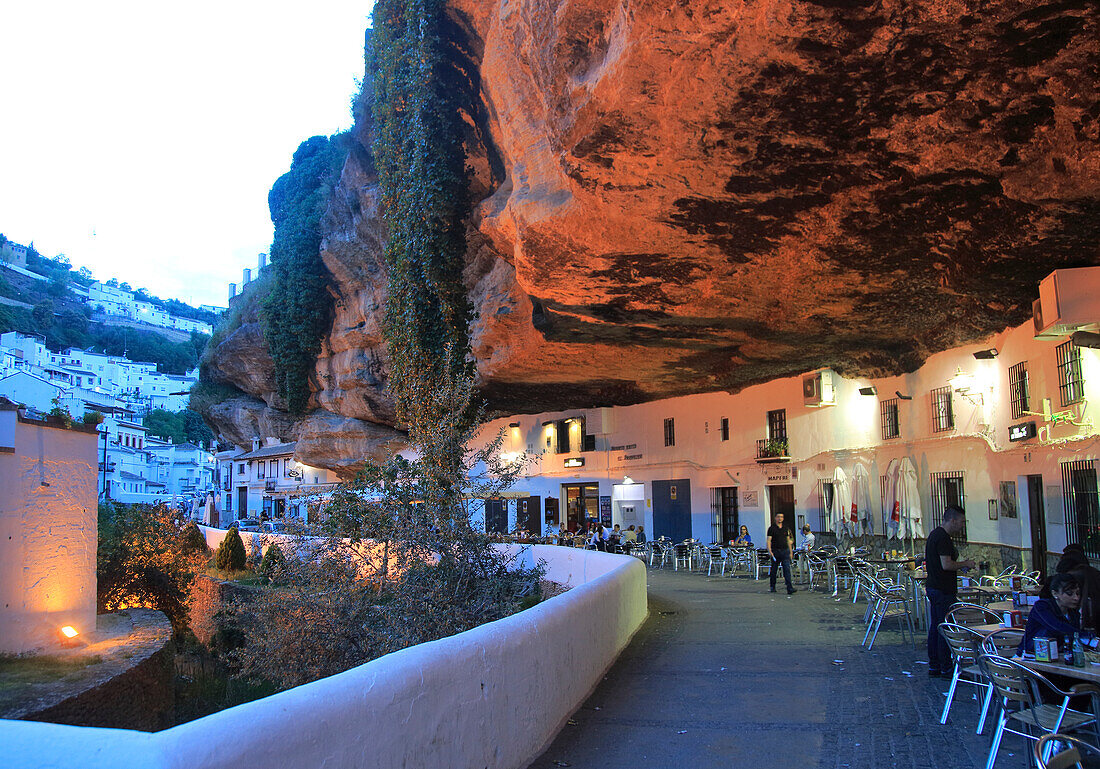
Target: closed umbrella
x,y
842,502
909,501
209,515
861,514
892,508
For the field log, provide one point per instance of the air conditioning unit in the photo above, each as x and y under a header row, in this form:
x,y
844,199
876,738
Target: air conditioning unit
x,y
818,390
1066,303
598,421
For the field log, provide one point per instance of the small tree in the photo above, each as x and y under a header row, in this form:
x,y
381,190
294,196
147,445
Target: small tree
x,y
273,560
230,555
192,540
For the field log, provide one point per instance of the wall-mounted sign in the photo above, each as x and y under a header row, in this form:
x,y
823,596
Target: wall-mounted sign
x,y
574,462
672,491
750,499
779,474
628,457
605,510
1022,431
627,447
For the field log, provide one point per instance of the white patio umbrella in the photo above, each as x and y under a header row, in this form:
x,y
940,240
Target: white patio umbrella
x,y
861,514
891,509
208,515
909,501
842,501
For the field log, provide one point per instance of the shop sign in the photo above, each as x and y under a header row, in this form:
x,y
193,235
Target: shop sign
x,y
779,474
605,510
1021,432
628,457
574,462
627,447
750,499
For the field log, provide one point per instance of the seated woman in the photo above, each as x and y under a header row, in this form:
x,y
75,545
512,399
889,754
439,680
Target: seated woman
x,y
743,539
1057,616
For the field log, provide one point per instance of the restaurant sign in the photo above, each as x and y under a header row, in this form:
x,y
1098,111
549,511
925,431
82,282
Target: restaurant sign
x,y
629,457
781,474
574,462
1022,431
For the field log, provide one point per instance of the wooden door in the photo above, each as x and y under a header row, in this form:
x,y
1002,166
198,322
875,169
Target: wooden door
x,y
1037,516
496,516
672,509
527,515
781,500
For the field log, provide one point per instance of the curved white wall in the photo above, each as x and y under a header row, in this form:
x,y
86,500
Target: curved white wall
x,y
493,696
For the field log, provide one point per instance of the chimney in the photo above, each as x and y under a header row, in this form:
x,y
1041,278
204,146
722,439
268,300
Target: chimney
x,y
232,290
247,277
255,444
261,262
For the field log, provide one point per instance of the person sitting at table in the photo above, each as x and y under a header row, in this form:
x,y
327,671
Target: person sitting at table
x,y
1075,562
1057,616
641,535
744,539
629,535
806,542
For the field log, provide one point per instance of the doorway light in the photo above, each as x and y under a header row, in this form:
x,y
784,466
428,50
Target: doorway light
x,y
871,390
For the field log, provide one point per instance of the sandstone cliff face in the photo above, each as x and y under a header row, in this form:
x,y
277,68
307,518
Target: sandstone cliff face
x,y
703,195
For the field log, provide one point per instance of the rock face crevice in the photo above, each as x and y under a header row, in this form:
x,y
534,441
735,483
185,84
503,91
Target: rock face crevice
x,y
702,196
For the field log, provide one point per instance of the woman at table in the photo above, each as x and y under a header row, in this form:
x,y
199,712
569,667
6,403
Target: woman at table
x,y
1057,616
743,539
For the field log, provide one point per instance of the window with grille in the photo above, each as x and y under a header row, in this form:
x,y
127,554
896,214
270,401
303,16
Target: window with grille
x,y
1082,505
670,432
827,491
943,417
891,424
1071,383
724,522
1018,390
724,430
947,491
777,425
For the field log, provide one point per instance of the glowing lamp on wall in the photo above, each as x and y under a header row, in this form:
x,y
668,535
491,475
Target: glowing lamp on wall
x,y
69,631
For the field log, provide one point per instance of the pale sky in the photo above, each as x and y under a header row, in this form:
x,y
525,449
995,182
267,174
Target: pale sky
x,y
141,138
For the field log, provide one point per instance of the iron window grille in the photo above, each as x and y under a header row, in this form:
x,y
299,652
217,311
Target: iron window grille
x,y
1082,505
1071,383
943,416
777,425
670,432
948,490
724,430
1019,396
725,525
891,423
826,493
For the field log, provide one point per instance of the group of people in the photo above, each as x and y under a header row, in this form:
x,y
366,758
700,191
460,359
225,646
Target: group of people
x,y
1068,606
600,537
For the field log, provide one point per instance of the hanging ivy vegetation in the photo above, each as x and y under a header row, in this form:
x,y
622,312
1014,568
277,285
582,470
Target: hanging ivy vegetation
x,y
297,311
419,156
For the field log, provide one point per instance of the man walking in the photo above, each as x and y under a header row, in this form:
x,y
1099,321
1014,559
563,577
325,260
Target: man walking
x,y
942,564
780,550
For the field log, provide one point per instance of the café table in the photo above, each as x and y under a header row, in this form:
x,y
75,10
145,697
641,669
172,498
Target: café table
x,y
1001,606
1089,673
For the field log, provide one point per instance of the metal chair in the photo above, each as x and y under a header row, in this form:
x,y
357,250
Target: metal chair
x,y
843,572
965,645
763,561
1060,751
716,554
1020,691
887,600
681,554
818,564
1003,643
961,613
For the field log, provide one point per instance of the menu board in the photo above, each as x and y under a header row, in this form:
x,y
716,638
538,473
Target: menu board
x,y
605,511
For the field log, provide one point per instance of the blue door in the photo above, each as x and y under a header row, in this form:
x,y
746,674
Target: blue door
x,y
672,509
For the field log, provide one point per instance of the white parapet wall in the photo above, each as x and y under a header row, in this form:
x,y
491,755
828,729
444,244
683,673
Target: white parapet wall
x,y
494,696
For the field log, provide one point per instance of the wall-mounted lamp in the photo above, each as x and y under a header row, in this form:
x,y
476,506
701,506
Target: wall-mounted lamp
x,y
903,397
628,480
989,354
962,382
1085,339
548,423
872,390
514,425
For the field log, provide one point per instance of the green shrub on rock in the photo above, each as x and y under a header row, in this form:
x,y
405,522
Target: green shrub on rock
x,y
192,540
273,560
230,555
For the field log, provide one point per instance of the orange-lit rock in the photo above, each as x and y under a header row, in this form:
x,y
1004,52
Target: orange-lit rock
x,y
699,196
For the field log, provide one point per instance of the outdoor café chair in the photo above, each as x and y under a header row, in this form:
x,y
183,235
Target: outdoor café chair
x,y
717,556
681,554
843,572
1020,690
818,564
887,600
1003,643
962,613
1060,751
763,561
966,646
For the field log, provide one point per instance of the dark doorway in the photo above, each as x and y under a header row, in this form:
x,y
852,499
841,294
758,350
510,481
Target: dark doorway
x,y
582,504
552,512
781,500
242,502
724,506
496,516
672,509
1038,517
527,515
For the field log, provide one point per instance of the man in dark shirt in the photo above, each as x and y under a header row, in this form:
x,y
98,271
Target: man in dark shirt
x,y
941,561
780,550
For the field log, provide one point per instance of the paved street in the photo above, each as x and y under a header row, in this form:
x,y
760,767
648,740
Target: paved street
x,y
724,673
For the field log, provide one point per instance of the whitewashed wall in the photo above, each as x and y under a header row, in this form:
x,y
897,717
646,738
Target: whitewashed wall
x,y
822,439
494,696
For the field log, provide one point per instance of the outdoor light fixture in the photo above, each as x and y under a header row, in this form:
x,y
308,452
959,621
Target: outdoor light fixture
x,y
628,480
961,382
989,354
903,397
514,425
69,631
548,423
1085,339
872,390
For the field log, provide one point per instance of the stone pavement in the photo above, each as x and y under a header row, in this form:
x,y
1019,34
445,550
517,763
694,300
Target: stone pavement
x,y
724,673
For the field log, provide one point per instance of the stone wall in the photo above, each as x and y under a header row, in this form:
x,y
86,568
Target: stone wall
x,y
208,596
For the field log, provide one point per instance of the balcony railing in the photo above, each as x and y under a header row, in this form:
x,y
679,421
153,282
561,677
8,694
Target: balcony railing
x,y
773,450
